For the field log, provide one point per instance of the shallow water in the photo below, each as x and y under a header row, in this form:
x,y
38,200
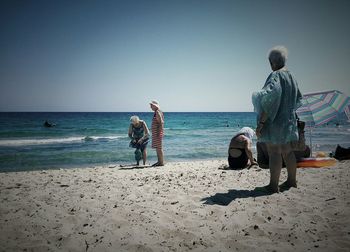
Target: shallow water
x,y
89,139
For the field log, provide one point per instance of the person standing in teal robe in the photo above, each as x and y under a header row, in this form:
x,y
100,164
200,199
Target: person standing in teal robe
x,y
275,105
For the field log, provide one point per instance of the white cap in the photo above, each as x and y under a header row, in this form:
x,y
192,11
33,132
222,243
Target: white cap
x,y
134,119
248,132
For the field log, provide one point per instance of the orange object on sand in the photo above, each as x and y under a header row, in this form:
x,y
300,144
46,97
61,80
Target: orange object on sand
x,y
316,162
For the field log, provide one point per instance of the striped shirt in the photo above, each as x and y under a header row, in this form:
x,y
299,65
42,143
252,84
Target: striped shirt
x,y
157,130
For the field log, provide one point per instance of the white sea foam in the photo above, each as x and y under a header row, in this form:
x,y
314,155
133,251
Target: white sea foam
x,y
43,141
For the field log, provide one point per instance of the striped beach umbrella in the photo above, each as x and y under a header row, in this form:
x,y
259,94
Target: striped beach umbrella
x,y
347,112
321,107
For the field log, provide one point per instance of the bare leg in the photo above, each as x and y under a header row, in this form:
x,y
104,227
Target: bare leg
x,y
160,156
289,159
275,164
144,156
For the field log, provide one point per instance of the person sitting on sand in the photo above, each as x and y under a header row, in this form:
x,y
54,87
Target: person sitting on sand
x,y
263,155
275,105
239,153
139,134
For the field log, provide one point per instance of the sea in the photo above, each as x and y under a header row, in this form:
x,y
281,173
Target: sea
x,y
90,139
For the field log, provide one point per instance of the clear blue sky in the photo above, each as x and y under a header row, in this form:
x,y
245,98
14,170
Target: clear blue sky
x,y
190,55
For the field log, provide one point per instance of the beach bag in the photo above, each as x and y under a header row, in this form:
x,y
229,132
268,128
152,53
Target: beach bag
x,y
299,145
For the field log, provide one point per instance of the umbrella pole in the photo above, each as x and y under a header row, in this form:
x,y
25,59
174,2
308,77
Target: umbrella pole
x,y
310,141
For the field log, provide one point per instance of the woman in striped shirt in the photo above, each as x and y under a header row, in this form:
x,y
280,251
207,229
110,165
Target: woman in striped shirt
x,y
157,132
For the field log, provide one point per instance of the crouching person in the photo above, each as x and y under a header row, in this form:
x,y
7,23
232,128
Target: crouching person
x,y
139,134
240,153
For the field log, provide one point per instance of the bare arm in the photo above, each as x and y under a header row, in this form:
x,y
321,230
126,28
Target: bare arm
x,y
159,118
130,131
261,122
263,117
146,130
248,150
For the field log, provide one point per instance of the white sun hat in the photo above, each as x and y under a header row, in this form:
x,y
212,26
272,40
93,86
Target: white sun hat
x,y
154,103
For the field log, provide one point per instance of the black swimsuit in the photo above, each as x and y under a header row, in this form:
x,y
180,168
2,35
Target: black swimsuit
x,y
138,133
240,161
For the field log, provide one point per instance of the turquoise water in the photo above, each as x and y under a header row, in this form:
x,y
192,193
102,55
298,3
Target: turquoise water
x,y
90,139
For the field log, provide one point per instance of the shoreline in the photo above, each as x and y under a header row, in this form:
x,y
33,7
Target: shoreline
x,y
182,206
132,163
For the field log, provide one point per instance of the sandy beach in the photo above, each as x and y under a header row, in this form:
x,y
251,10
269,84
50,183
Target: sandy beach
x,y
197,206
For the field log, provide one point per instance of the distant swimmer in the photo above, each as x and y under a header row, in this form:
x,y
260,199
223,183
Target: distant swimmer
x,y
47,124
